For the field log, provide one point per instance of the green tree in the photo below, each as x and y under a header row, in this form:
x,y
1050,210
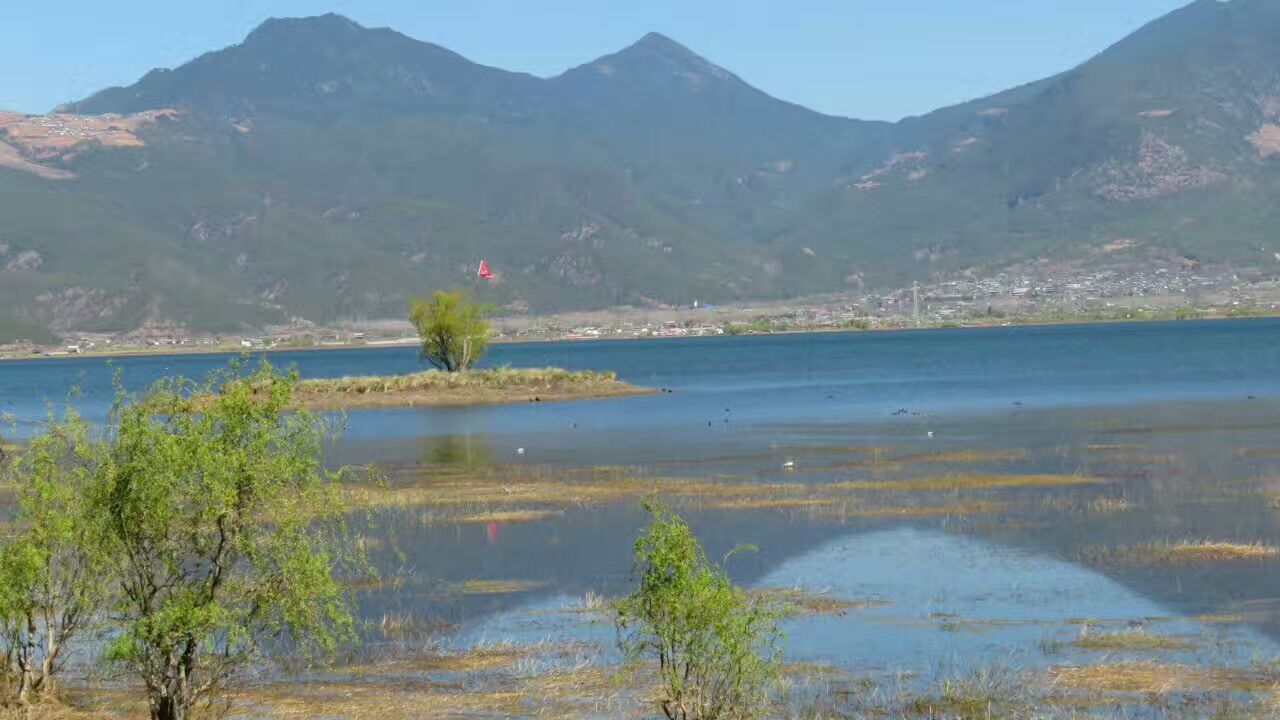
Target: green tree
x,y
717,648
54,568
229,534
453,328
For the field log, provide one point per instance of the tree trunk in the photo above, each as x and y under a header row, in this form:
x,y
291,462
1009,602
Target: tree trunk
x,y
168,708
45,682
26,685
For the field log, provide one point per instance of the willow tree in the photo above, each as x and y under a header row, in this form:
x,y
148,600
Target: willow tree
x,y
717,648
55,568
453,329
229,535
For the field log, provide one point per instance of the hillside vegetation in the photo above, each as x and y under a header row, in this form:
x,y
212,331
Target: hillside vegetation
x,y
323,171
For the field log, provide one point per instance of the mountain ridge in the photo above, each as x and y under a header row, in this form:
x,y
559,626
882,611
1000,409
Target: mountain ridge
x,y
321,171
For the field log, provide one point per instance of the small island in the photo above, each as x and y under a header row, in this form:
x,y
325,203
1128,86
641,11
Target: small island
x,y
435,388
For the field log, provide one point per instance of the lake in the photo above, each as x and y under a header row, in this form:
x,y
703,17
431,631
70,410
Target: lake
x,y
976,499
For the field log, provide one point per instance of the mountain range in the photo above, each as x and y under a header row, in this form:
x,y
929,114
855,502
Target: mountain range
x,y
321,171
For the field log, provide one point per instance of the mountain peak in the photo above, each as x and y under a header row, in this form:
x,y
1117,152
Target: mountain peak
x,y
329,23
656,60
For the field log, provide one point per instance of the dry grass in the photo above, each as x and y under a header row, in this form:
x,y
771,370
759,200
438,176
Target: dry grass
x,y
1115,447
1135,640
975,508
968,481
773,503
433,388
1186,552
1157,678
801,601
412,626
436,388
963,456
514,489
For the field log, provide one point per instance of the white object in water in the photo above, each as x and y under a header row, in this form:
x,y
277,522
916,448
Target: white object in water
x,y
519,451
930,433
789,465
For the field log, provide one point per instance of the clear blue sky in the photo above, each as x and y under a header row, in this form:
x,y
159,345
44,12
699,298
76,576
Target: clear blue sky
x,y
872,59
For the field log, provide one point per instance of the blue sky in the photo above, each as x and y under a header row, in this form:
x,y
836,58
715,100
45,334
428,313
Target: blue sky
x,y
872,59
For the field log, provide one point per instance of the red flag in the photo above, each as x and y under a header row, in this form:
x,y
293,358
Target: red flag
x,y
484,271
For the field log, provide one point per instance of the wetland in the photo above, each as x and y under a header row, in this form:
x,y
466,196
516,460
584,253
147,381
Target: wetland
x,y
1016,522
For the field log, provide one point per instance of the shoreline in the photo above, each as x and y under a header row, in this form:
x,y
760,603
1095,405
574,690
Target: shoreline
x,y
238,351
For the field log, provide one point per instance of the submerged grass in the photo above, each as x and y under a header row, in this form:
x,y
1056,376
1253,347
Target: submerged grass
x,y
1185,552
509,516
802,601
1158,678
494,587
1135,640
963,456
968,481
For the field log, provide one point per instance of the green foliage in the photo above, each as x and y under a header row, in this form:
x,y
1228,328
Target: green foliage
x,y
228,532
454,330
717,648
54,568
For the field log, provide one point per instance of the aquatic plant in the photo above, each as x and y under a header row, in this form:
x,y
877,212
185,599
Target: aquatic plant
x,y
1184,552
1136,639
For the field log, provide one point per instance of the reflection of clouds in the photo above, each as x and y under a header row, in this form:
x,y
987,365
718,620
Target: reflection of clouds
x,y
961,601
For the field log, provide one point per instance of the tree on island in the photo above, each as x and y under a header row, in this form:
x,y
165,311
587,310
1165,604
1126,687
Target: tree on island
x,y
453,328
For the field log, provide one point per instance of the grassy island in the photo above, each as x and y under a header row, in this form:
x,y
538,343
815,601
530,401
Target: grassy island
x,y
472,387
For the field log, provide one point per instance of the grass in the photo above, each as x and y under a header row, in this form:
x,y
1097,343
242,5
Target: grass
x,y
1134,640
1157,678
1186,552
510,516
968,481
773,503
473,387
491,379
801,601
494,587
963,456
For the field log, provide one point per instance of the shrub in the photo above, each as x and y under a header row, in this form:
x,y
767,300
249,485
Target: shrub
x,y
228,533
717,648
54,570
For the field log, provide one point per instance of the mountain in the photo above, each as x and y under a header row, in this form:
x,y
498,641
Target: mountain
x,y
323,171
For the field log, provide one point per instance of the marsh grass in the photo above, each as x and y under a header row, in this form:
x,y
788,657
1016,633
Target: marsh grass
x,y
510,516
1159,678
1186,552
434,387
968,481
804,602
963,456
1132,640
1086,505
404,626
494,587
982,695
490,379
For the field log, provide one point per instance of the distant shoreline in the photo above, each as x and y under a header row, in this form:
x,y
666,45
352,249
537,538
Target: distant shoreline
x,y
232,350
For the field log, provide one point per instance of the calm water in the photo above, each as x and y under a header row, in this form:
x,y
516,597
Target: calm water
x,y
1180,421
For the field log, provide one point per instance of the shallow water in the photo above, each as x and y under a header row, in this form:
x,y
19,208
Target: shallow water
x,y
1178,424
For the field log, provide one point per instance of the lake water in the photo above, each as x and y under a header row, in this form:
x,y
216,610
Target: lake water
x,y
1177,427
